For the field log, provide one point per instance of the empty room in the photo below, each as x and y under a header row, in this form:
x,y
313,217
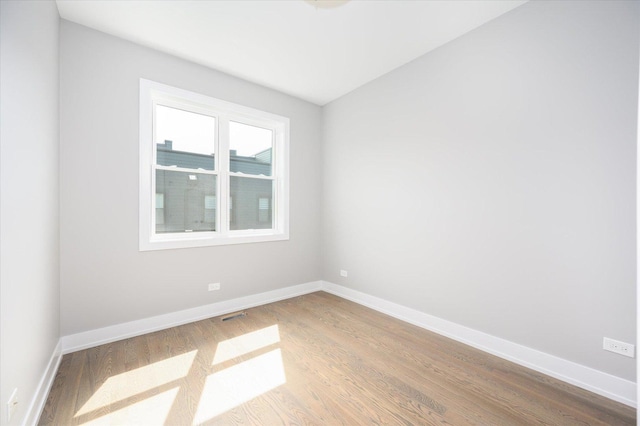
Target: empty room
x,y
318,212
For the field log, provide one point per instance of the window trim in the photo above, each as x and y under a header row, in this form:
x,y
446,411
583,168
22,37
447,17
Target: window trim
x,y
150,93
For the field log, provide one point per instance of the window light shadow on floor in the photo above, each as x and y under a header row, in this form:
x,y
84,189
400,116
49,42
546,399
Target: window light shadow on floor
x,y
241,383
146,395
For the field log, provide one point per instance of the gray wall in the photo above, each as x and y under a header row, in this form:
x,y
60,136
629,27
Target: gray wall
x,y
491,182
105,279
29,274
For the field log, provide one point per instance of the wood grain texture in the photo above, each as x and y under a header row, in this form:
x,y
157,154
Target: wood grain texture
x,y
329,362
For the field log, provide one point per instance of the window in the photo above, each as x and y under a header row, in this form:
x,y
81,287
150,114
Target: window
x,y
264,209
159,209
211,172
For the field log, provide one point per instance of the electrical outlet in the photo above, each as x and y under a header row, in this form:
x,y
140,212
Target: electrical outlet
x,y
622,348
12,404
214,286
343,273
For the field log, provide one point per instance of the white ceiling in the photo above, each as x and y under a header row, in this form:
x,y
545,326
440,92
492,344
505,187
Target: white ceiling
x,y
315,53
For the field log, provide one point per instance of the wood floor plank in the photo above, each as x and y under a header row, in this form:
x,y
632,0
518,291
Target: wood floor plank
x,y
316,359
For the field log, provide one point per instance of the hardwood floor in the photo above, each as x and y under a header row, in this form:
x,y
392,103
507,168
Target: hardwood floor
x,y
315,359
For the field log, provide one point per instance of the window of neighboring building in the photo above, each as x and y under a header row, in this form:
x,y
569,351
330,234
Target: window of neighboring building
x,y
159,209
264,209
210,207
206,167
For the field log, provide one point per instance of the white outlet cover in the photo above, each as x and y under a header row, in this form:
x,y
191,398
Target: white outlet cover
x,y
618,347
214,286
343,273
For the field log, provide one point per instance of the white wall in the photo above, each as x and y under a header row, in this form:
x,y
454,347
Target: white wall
x,y
492,182
105,280
29,272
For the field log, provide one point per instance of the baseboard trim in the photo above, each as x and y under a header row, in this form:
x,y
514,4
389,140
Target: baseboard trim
x,y
593,380
91,338
598,382
42,392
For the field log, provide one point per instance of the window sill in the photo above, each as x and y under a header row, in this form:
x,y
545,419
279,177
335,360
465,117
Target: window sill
x,y
192,241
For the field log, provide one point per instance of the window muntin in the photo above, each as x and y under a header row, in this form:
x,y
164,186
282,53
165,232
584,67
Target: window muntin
x,y
211,166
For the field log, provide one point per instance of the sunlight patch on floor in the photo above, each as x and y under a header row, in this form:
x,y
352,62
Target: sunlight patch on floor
x,y
150,411
241,383
128,384
119,400
246,343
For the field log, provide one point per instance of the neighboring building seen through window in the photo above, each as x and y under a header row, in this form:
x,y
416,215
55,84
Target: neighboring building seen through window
x,y
211,172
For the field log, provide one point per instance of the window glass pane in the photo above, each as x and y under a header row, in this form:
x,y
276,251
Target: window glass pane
x,y
252,203
189,202
250,149
184,138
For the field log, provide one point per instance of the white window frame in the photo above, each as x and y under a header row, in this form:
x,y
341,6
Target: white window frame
x,y
152,93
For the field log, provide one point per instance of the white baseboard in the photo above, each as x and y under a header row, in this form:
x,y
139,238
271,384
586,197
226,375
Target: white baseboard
x,y
91,338
604,384
42,392
596,381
